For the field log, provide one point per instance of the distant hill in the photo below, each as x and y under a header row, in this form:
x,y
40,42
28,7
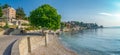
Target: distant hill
x,y
113,27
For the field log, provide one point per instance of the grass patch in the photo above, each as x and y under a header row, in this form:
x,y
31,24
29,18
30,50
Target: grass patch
x,y
32,28
25,24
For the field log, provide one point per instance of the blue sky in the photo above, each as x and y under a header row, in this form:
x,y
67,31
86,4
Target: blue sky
x,y
103,12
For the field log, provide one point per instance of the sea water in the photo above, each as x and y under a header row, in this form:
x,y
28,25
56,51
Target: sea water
x,y
105,41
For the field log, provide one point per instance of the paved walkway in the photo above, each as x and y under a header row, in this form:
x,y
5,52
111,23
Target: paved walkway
x,y
6,43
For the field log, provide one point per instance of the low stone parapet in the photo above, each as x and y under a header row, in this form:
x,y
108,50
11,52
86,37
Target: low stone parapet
x,y
28,44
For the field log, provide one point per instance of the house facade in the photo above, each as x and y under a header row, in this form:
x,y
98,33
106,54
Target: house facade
x,y
9,13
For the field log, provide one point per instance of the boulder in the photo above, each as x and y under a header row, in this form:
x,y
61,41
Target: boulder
x,y
17,32
8,31
12,31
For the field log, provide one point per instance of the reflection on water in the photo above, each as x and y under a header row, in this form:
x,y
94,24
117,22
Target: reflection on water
x,y
94,41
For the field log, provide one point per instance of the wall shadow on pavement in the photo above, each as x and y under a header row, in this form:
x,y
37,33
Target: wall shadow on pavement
x,y
9,49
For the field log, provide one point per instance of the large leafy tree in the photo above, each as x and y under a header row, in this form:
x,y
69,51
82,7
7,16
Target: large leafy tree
x,y
20,14
45,16
5,6
1,11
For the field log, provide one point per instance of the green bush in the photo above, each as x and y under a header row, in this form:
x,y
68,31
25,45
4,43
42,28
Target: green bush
x,y
32,28
6,26
25,24
1,29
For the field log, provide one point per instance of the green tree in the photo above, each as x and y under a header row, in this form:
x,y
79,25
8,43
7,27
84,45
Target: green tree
x,y
5,6
20,14
25,18
62,25
1,11
45,16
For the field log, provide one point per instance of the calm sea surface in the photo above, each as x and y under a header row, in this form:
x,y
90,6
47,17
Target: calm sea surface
x,y
104,41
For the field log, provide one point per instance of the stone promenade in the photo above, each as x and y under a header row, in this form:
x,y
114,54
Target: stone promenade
x,y
6,44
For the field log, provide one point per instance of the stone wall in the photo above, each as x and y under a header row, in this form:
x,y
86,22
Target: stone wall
x,y
27,46
23,46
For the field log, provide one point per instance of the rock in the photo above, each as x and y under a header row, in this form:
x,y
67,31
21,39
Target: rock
x,y
8,31
12,31
17,32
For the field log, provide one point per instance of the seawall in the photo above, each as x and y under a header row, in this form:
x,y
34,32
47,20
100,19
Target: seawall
x,y
36,45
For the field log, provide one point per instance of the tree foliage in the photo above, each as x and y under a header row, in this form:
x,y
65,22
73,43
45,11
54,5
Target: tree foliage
x,y
1,11
45,16
62,25
5,6
20,14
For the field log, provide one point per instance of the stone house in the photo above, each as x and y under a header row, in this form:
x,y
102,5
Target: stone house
x,y
9,13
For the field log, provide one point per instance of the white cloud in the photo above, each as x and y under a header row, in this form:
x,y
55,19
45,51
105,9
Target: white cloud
x,y
107,14
109,19
117,15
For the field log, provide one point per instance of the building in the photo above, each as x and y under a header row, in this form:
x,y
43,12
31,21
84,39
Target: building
x,y
9,13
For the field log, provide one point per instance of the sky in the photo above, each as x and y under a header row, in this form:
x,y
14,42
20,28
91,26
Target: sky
x,y
102,12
